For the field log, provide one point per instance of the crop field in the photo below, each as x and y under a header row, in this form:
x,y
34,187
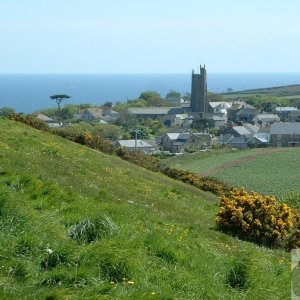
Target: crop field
x,y
268,171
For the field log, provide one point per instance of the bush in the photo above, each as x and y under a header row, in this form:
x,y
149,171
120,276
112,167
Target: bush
x,y
256,217
88,231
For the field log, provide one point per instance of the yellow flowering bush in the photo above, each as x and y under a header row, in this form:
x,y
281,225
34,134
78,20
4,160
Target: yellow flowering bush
x,y
256,217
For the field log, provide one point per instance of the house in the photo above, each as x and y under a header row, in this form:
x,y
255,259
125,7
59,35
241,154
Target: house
x,y
283,112
183,120
240,131
153,112
252,128
178,142
219,107
258,141
245,114
216,121
294,116
240,142
89,114
265,119
109,115
133,145
285,134
168,139
50,122
241,111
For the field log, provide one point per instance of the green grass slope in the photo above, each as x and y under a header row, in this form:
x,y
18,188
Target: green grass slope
x,y
78,224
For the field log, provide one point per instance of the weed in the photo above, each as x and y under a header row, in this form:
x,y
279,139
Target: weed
x,y
18,272
237,275
52,259
113,269
23,247
88,231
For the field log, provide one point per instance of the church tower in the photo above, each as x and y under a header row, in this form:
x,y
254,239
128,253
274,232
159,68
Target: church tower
x,y
199,99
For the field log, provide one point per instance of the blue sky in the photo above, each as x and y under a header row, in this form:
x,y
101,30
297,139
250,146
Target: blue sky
x,y
149,36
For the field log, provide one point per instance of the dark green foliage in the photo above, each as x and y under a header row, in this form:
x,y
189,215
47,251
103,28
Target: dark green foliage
x,y
24,246
4,197
237,275
18,271
52,259
88,231
114,269
6,111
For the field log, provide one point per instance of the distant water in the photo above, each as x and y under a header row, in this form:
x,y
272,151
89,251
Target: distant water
x,y
29,92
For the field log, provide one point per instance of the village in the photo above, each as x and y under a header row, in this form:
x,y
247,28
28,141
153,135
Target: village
x,y
192,123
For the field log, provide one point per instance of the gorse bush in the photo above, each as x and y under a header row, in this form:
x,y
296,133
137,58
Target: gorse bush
x,y
255,217
88,231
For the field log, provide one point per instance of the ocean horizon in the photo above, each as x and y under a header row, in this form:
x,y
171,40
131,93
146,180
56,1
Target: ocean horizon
x,y
31,92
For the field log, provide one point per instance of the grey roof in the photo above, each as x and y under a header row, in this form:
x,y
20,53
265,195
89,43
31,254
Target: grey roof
x,y
155,110
237,140
251,128
222,103
285,128
247,110
217,118
267,117
131,144
285,108
261,139
241,130
173,136
44,118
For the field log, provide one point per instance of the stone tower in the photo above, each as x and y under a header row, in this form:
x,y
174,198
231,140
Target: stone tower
x,y
199,99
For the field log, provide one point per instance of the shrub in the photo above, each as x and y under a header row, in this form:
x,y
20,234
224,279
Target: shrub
x,y
255,217
88,231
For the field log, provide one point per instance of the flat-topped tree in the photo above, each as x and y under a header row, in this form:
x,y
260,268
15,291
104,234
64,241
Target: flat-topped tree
x,y
59,99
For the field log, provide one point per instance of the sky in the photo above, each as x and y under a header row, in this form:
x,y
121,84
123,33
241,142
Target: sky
x,y
149,36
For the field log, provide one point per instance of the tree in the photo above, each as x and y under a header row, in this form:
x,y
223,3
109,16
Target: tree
x,y
59,99
6,111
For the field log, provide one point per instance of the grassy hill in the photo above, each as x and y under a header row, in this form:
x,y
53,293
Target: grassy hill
x,y
78,224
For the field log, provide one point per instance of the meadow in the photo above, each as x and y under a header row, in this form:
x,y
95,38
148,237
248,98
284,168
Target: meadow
x,y
79,224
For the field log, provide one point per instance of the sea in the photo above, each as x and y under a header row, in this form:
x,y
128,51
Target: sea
x,y
28,93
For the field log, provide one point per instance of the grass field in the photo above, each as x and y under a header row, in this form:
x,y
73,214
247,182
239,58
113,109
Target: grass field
x,y
78,224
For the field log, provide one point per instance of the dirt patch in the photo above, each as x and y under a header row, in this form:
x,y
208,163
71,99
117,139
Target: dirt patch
x,y
236,162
